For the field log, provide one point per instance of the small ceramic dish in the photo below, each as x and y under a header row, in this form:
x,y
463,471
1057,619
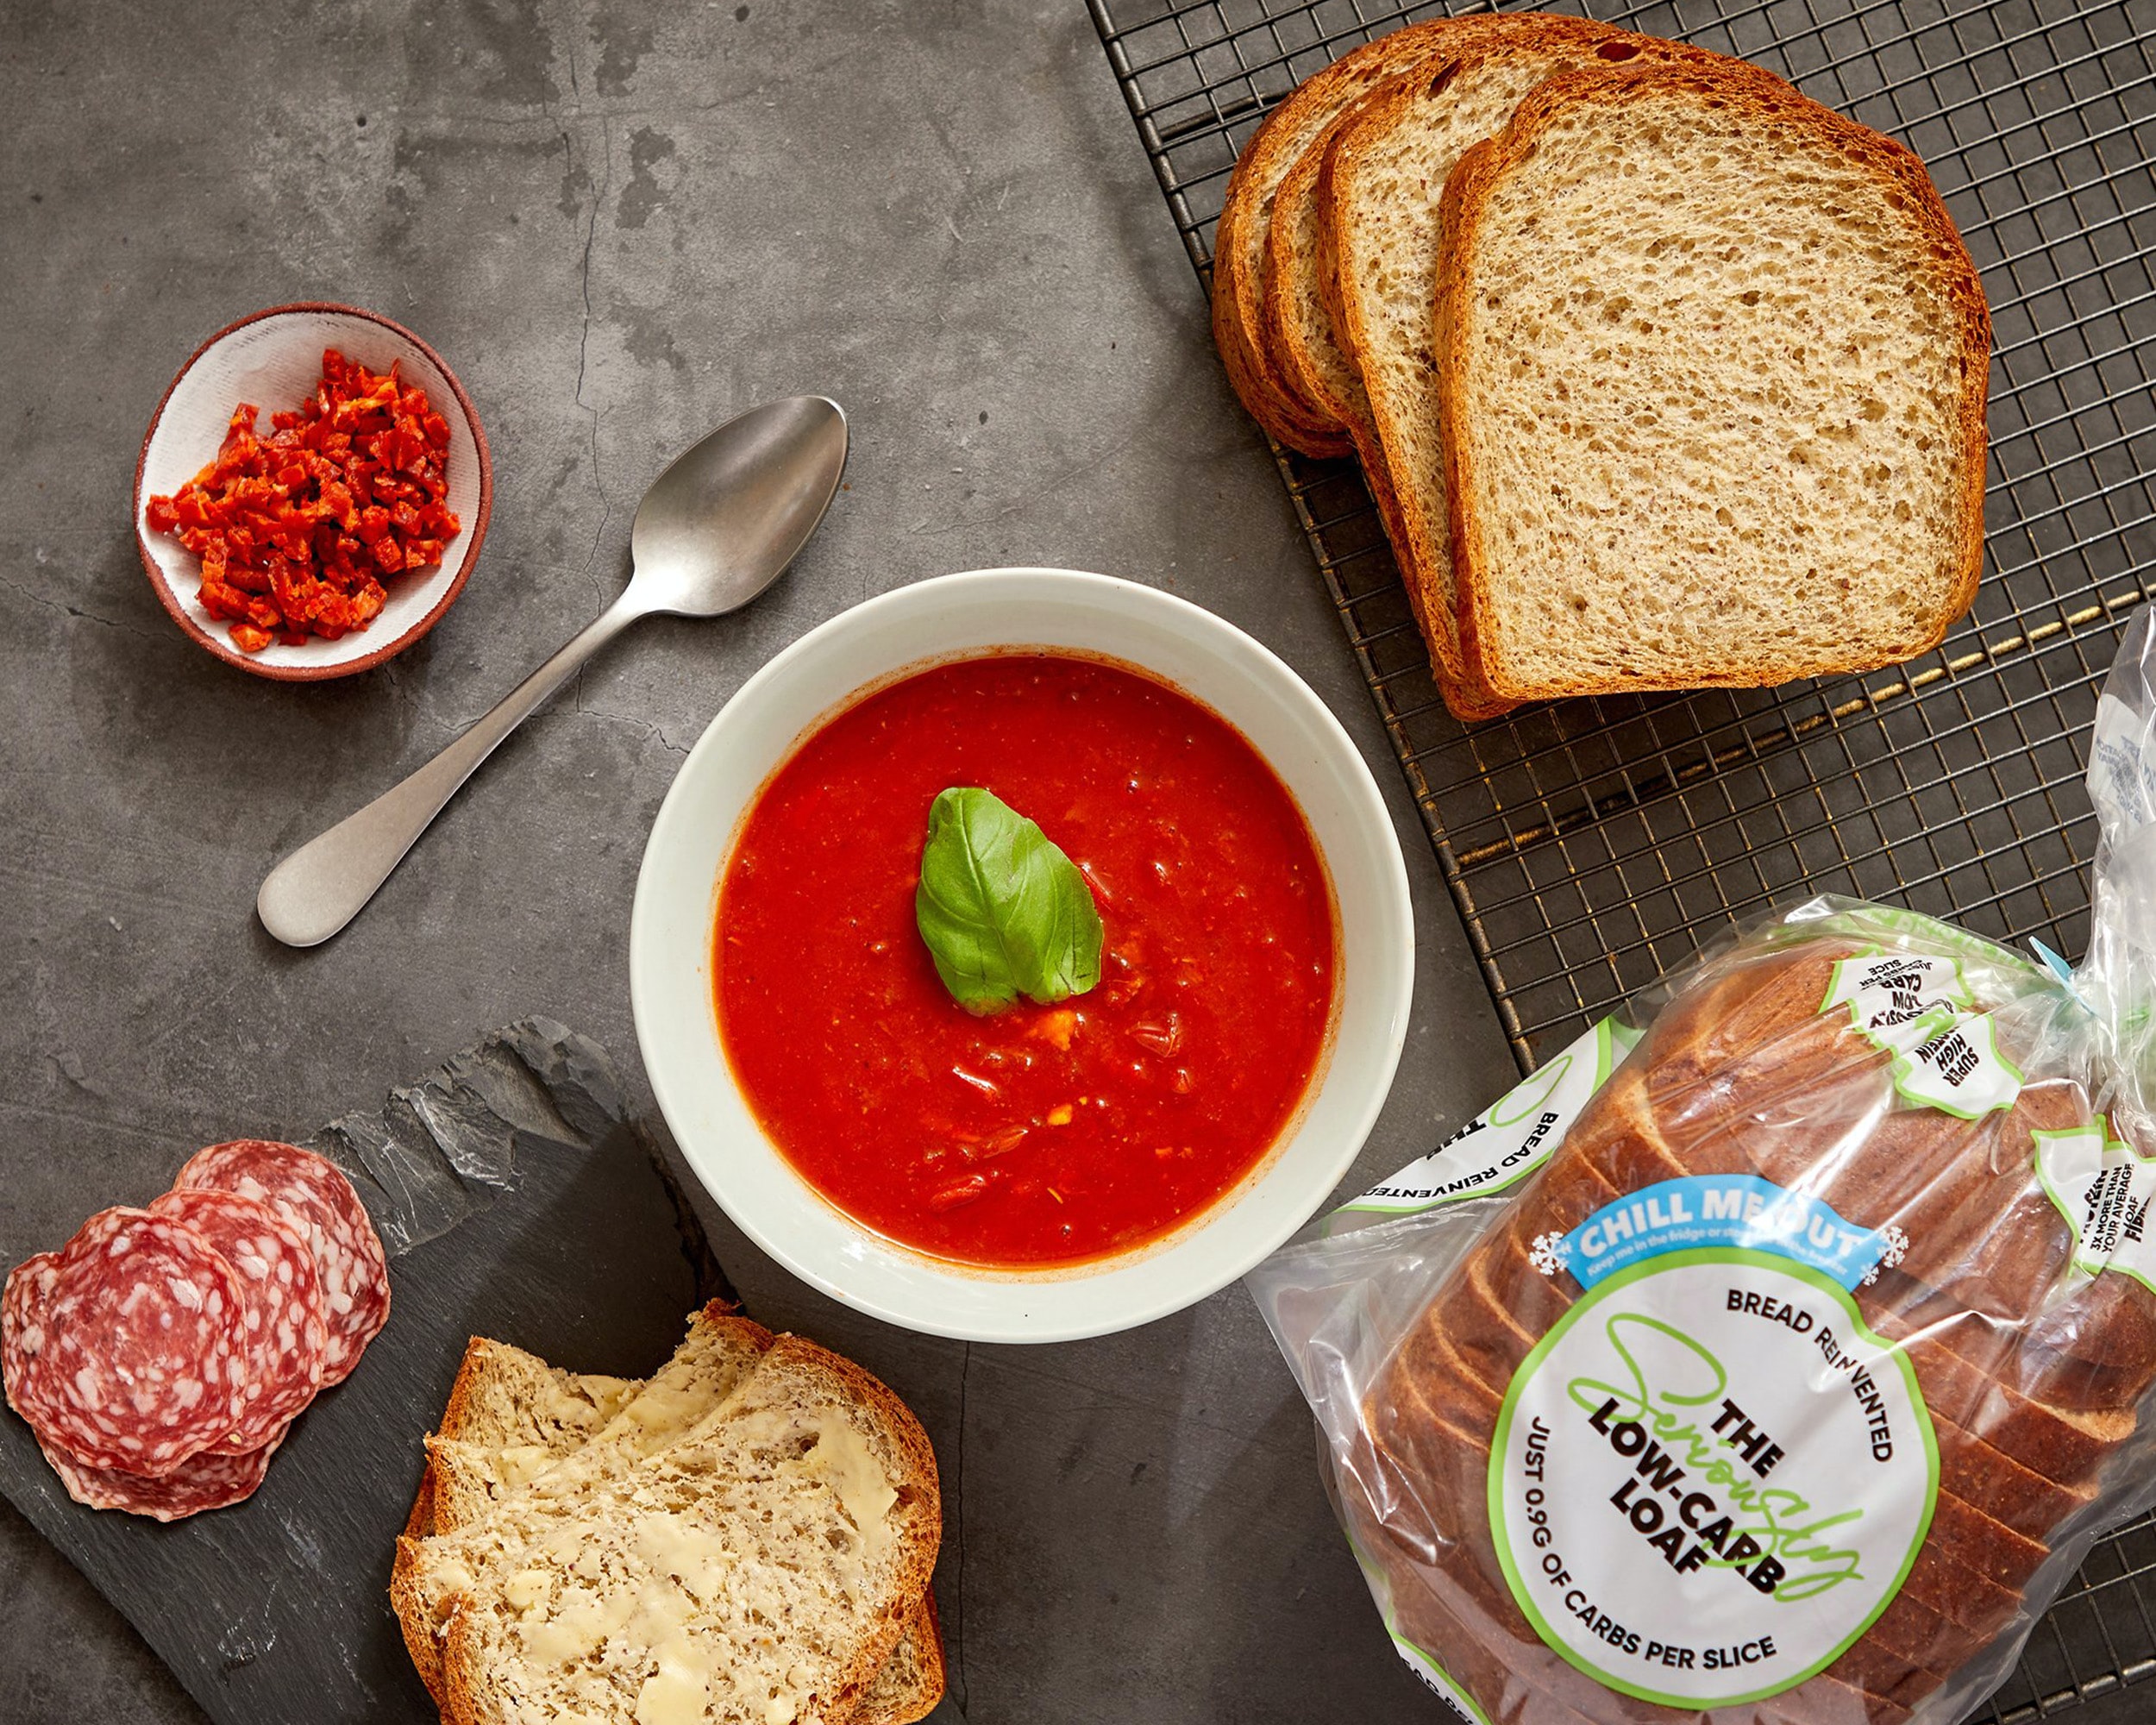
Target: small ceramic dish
x,y
963,615
273,358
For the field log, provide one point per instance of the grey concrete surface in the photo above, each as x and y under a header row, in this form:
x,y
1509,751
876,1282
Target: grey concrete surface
x,y
622,222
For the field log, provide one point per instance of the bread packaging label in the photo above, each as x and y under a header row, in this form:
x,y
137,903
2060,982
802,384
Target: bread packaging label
x,y
1913,1005
1957,1067
1739,1211
1438,1682
2103,1189
1710,1477
1889,994
1512,1137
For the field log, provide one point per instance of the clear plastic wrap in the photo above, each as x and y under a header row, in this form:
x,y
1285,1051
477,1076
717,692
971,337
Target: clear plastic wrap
x,y
1775,1352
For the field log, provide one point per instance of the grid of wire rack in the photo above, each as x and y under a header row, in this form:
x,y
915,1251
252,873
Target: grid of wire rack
x,y
1590,845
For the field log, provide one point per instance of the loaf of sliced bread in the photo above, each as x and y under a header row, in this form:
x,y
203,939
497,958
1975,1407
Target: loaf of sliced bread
x,y
1712,369
511,1413
1375,210
755,1572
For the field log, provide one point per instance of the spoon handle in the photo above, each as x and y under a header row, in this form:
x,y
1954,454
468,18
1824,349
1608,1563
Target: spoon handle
x,y
322,886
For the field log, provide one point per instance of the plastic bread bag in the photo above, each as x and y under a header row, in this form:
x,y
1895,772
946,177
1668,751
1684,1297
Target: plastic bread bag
x,y
1775,1352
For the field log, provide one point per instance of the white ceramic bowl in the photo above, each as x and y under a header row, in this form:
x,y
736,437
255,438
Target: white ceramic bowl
x,y
960,616
273,358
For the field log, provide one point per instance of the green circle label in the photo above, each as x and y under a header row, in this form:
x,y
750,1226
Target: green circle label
x,y
1709,1478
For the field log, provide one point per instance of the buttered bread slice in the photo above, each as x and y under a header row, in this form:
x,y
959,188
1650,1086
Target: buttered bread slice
x,y
1712,365
757,1573
510,1415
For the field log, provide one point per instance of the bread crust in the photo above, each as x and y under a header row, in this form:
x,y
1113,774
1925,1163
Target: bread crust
x,y
419,1641
1283,338
1745,88
1243,234
1238,238
1238,358
927,1630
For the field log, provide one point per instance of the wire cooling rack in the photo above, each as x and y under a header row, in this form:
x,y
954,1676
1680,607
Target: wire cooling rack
x,y
1590,845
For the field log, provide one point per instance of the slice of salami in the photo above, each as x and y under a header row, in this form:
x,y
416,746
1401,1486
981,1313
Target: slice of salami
x,y
23,1314
131,1353
208,1481
281,1306
312,1194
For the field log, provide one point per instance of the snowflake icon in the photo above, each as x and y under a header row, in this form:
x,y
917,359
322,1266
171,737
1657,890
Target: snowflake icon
x,y
1896,1248
1551,1253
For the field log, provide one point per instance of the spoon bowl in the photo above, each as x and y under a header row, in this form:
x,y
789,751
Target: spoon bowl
x,y
723,522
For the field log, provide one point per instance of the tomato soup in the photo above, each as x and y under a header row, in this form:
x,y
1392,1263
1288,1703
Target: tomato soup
x,y
1042,1134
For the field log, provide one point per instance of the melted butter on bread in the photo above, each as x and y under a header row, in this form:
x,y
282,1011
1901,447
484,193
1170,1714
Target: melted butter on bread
x,y
842,1460
694,1557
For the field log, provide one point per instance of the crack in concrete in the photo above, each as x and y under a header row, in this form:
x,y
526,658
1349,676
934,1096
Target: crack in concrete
x,y
35,597
584,345
398,683
650,729
574,111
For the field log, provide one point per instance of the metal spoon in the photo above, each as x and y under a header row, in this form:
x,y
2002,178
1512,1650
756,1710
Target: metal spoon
x,y
715,530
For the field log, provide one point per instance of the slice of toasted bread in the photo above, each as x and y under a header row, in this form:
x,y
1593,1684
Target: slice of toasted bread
x,y
759,1570
1372,273
1712,368
510,1415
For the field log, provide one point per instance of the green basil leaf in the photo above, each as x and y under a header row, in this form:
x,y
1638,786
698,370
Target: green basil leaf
x,y
1003,910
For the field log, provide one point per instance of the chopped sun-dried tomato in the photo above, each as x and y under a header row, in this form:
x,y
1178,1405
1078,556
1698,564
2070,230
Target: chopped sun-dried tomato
x,y
297,531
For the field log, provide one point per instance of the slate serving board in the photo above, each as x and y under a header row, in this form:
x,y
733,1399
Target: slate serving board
x,y
516,1200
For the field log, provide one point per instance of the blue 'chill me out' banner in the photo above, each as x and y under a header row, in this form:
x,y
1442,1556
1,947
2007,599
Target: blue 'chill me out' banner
x,y
1723,1210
